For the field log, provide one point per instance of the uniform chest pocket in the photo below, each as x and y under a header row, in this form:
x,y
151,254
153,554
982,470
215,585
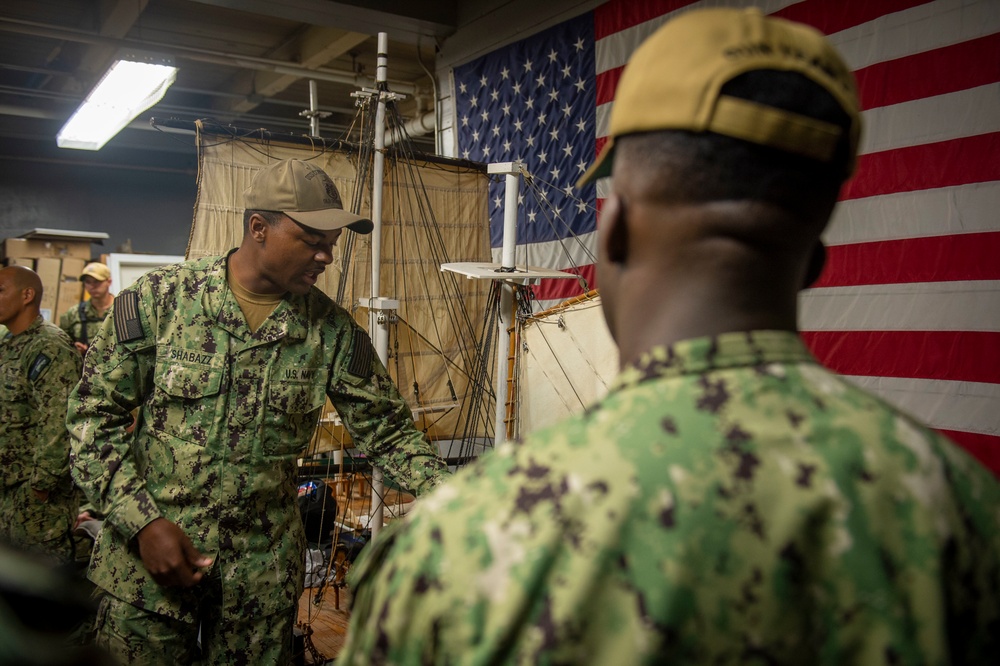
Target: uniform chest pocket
x,y
293,408
185,403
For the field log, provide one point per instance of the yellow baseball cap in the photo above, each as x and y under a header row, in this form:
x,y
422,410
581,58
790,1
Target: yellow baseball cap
x,y
673,82
96,270
304,192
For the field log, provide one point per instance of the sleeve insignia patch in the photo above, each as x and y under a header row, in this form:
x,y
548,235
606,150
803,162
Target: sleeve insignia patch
x,y
38,366
362,353
126,313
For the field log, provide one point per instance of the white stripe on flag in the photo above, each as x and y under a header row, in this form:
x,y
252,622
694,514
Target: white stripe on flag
x,y
553,254
947,405
951,116
940,118
946,210
921,306
916,30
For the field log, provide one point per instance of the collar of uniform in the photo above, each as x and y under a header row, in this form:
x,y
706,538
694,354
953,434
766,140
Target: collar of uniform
x,y
729,350
288,319
37,323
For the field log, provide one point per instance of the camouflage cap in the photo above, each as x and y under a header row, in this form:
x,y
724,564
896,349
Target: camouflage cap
x,y
674,79
303,192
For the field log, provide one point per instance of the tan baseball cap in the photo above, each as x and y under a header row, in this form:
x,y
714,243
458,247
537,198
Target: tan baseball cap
x,y
96,270
673,82
304,192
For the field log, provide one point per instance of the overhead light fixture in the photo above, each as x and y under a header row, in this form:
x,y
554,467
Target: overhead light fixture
x,y
136,81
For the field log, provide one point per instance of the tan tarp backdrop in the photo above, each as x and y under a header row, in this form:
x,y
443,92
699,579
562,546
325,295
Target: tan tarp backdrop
x,y
432,214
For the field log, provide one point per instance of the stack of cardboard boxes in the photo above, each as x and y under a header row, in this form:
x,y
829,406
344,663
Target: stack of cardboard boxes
x,y
58,262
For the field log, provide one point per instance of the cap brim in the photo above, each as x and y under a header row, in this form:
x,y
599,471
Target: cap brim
x,y
330,219
601,168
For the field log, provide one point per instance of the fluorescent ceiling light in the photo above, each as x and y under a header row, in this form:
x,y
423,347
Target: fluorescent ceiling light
x,y
134,83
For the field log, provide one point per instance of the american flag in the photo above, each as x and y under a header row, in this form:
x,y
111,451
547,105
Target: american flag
x,y
909,304
535,101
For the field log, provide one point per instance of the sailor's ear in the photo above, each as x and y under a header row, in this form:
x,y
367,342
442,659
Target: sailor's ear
x,y
614,229
257,227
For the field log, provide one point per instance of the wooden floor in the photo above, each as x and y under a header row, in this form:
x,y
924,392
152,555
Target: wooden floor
x,y
327,623
323,611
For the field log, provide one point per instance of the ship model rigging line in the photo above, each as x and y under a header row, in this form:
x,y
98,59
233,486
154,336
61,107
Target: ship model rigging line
x,y
468,354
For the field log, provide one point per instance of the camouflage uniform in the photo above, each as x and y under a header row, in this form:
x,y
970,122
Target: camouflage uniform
x,y
71,323
38,368
729,501
224,413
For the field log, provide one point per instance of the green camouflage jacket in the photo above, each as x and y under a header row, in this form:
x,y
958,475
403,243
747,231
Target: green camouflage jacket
x,y
38,368
728,502
224,413
71,323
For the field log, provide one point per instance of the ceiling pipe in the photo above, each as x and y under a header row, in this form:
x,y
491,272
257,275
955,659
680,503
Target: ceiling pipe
x,y
35,29
419,126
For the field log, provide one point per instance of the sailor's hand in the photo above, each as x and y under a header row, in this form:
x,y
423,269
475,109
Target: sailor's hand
x,y
169,556
83,517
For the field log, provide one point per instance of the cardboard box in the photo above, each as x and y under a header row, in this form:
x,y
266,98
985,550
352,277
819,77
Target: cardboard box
x,y
49,269
70,292
72,267
27,262
36,248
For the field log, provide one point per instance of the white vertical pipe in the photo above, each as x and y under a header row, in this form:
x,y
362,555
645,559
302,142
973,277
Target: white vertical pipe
x,y
512,187
379,330
513,184
378,177
313,109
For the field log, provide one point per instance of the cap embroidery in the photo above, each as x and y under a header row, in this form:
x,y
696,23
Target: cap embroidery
x,y
332,196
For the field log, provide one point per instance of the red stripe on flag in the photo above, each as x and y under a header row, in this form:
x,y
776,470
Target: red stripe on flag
x,y
984,448
563,288
617,15
971,159
827,17
972,356
607,83
830,17
949,69
599,145
932,259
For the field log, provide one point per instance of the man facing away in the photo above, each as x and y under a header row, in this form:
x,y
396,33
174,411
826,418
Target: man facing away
x,y
229,360
729,501
82,321
38,368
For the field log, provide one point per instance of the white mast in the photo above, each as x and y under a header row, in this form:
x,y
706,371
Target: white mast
x,y
381,311
510,274
512,173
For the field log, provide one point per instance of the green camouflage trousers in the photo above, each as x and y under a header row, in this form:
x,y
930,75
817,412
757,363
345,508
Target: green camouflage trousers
x,y
135,636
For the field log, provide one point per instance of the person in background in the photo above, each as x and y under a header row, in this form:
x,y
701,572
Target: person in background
x,y
38,368
729,501
229,360
82,321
